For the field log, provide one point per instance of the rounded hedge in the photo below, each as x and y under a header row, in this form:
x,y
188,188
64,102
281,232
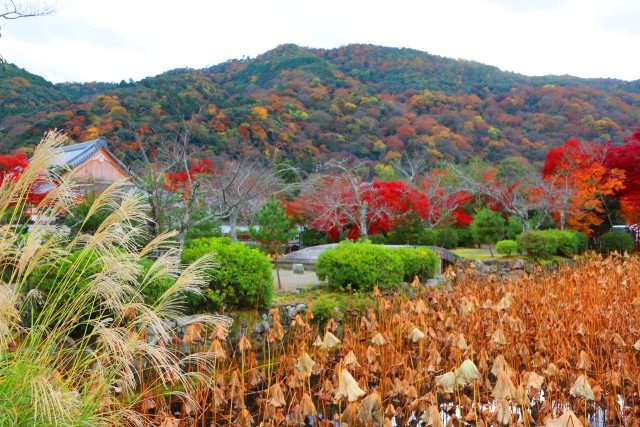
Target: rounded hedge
x,y
420,262
567,242
360,265
616,241
507,247
242,278
582,239
537,244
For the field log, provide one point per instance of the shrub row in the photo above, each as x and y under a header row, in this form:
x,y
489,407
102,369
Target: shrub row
x,y
546,243
362,265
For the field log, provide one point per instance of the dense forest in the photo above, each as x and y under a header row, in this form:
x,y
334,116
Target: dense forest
x,y
312,104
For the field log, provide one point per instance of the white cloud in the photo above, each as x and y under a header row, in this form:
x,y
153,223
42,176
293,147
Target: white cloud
x,y
110,41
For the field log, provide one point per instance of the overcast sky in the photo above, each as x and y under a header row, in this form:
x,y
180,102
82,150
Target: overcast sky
x,y
100,40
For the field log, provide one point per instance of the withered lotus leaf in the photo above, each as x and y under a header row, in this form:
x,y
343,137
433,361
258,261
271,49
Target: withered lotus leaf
x,y
636,346
307,407
504,388
534,381
498,337
447,381
500,365
217,350
192,334
244,344
276,396
568,419
244,418
378,339
370,409
416,335
329,341
305,365
350,360
348,388
503,412
467,372
582,389
431,417
170,422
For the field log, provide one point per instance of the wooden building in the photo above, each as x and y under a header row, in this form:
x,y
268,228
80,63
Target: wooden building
x,y
93,165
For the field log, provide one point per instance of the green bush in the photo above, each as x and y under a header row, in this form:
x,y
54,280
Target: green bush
x,y
582,239
514,227
243,277
447,237
537,244
466,239
154,289
360,265
616,241
507,247
419,262
326,307
378,239
313,237
567,242
427,237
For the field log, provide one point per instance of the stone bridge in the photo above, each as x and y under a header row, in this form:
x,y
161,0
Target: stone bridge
x,y
309,256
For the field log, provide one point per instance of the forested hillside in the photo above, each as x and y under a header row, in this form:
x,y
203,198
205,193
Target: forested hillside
x,y
368,101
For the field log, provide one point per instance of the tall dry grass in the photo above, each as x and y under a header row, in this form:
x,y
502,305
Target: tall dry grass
x,y
81,354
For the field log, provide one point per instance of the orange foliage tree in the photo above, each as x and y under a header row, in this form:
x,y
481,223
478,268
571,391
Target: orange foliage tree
x,y
577,183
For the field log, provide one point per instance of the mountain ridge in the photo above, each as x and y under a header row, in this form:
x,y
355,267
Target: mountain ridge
x,y
369,101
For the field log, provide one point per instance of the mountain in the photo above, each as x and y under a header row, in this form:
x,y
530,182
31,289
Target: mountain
x,y
368,101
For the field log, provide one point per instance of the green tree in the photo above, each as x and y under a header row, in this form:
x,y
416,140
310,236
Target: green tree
x,y
274,231
487,227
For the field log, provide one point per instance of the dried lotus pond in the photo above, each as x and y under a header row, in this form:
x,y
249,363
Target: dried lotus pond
x,y
559,348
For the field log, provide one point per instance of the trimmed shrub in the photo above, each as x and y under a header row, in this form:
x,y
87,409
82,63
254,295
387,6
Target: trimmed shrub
x,y
514,227
537,244
243,277
582,239
567,242
360,265
616,241
466,238
447,237
419,262
507,247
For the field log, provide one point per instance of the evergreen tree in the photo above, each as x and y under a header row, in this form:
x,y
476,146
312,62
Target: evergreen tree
x,y
274,231
487,227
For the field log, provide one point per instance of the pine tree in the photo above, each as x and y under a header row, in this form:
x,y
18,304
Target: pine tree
x,y
487,227
274,231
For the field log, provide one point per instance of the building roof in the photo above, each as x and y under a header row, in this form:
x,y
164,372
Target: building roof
x,y
75,154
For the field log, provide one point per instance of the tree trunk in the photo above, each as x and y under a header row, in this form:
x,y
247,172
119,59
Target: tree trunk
x,y
525,222
364,233
563,219
278,271
233,224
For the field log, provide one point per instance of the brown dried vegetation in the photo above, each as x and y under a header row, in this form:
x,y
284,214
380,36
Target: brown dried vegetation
x,y
553,348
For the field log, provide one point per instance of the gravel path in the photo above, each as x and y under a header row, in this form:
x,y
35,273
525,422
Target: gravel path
x,y
292,281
